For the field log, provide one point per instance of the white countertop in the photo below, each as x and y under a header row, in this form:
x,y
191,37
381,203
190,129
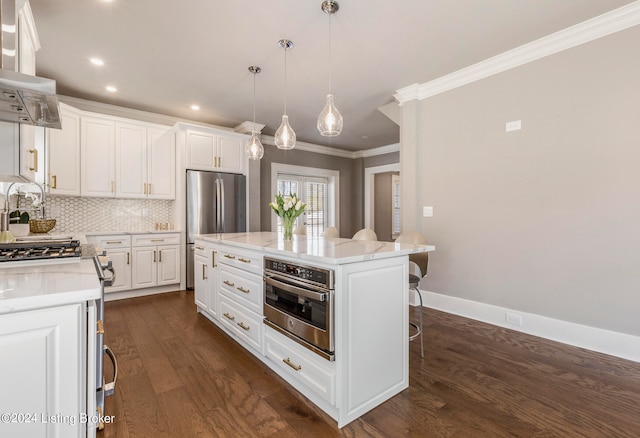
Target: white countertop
x,y
335,251
32,284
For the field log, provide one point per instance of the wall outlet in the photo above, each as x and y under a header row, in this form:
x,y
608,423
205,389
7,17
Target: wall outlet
x,y
427,211
513,319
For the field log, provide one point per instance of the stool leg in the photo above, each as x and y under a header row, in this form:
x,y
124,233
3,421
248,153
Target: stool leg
x,y
421,329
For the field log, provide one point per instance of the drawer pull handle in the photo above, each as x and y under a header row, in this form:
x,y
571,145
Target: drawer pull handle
x,y
242,326
241,289
292,365
100,328
201,248
228,283
158,240
114,242
243,260
230,256
231,317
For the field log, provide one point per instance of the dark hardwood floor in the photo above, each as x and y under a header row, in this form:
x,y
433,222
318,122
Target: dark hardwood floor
x,y
181,376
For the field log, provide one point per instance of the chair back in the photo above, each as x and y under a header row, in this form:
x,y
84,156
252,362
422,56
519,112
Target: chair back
x,y
301,230
331,232
420,259
365,234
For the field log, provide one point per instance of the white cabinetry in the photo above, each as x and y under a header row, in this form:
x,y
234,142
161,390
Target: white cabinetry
x,y
118,248
46,376
206,278
209,150
145,162
156,260
240,294
97,152
63,152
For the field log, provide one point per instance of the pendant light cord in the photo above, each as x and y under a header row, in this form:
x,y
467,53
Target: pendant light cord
x,y
285,80
254,102
330,56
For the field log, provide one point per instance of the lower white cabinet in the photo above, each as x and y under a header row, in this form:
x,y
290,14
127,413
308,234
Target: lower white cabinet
x,y
118,248
44,381
206,277
155,265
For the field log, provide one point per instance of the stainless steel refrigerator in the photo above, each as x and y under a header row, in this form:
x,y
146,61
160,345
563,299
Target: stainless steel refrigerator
x,y
216,203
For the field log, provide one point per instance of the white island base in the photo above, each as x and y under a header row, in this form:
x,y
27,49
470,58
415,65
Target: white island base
x,y
371,315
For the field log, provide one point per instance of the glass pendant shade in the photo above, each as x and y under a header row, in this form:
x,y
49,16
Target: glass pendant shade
x,y
285,138
254,148
330,119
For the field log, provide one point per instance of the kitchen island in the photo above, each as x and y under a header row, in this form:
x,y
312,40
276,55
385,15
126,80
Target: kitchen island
x,y
48,347
370,316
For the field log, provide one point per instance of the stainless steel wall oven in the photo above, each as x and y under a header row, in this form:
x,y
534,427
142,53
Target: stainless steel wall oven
x,y
298,302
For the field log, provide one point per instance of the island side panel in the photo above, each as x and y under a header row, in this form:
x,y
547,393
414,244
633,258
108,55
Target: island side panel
x,y
372,346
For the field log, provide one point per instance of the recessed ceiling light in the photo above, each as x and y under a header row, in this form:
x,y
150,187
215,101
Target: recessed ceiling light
x,y
96,61
195,107
111,88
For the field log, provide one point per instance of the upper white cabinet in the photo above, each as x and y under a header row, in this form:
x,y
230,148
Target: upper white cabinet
x,y
209,150
97,151
63,146
126,159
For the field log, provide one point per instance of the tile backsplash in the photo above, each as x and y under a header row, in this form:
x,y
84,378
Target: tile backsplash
x,y
75,215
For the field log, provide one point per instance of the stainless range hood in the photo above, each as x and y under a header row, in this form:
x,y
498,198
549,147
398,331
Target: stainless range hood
x,y
23,98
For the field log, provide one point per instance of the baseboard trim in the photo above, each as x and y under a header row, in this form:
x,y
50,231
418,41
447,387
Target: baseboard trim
x,y
609,342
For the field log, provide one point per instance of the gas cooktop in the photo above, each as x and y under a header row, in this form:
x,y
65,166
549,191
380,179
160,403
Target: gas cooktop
x,y
38,250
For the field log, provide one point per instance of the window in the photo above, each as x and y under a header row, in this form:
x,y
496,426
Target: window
x,y
317,188
395,207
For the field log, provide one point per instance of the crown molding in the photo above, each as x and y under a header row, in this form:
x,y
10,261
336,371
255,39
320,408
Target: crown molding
x,y
606,24
388,149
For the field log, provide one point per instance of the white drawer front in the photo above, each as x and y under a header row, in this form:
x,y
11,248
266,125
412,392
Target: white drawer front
x,y
245,260
315,372
156,239
246,324
113,241
242,286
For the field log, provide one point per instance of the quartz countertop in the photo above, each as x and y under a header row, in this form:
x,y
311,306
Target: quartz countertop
x,y
328,250
32,284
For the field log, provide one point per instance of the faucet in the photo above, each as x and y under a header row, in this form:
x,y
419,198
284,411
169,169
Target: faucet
x,y
4,218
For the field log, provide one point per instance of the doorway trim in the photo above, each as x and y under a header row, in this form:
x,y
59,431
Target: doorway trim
x,y
369,189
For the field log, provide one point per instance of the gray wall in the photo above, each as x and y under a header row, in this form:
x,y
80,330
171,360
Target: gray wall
x,y
544,220
383,213
351,190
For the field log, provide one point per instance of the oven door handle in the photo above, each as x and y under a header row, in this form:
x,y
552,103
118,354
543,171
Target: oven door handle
x,y
317,296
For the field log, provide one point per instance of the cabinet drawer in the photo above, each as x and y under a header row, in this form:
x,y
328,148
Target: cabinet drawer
x,y
242,286
113,241
241,321
315,372
245,260
156,239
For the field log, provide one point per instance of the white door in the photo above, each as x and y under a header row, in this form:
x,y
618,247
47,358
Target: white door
x,y
97,153
131,161
168,264
161,173
41,371
144,270
121,261
63,150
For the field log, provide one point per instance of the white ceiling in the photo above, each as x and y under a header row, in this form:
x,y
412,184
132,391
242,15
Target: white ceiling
x,y
164,55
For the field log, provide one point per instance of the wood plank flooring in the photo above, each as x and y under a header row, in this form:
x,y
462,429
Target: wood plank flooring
x,y
181,376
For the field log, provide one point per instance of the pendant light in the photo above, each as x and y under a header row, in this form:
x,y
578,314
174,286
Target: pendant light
x,y
254,148
285,138
330,119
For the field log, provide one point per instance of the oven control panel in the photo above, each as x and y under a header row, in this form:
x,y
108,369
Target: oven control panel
x,y
323,277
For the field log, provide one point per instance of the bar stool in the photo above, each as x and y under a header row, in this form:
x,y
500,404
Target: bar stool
x,y
417,270
331,232
365,234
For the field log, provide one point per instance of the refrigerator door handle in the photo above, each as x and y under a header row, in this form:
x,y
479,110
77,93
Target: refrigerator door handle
x,y
221,199
217,227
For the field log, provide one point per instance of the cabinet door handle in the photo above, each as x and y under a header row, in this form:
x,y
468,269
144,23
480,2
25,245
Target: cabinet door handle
x,y
160,256
231,317
213,258
128,258
113,186
99,327
243,260
35,160
154,256
242,326
144,189
230,256
149,189
204,272
55,181
292,365
228,283
241,289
